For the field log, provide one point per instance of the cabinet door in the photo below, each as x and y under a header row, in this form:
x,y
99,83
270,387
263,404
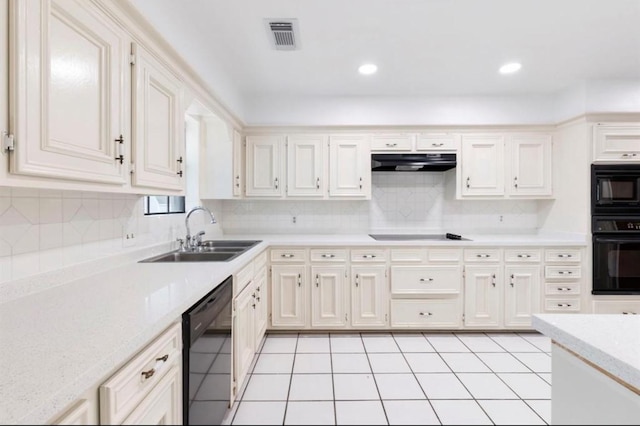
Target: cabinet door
x,y
328,298
244,306
306,163
288,296
264,166
482,165
238,175
369,296
521,295
529,164
262,311
483,301
158,124
163,404
349,166
67,92
617,142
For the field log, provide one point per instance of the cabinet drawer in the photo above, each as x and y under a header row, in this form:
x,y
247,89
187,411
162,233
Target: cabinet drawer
x,y
426,279
482,255
569,304
522,255
624,307
242,278
436,142
260,261
395,142
562,288
562,272
438,255
563,255
368,255
328,255
436,313
121,393
288,255
408,255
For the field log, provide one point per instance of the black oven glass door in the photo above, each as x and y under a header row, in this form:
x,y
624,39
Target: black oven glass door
x,y
616,264
206,357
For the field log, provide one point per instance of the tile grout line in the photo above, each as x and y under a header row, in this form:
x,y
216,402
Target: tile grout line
x,y
373,375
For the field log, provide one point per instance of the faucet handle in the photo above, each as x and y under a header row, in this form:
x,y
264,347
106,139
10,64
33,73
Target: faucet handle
x,y
198,238
181,242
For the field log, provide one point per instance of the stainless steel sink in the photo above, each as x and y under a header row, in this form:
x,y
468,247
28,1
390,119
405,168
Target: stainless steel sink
x,y
181,256
209,251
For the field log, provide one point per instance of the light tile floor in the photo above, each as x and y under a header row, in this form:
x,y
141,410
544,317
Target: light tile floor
x,y
399,378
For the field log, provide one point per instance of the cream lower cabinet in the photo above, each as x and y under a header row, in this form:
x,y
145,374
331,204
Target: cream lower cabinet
x,y
262,305
521,294
82,412
482,296
244,342
563,280
329,296
289,296
148,389
369,296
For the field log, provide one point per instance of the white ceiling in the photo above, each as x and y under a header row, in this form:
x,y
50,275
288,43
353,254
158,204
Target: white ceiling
x,y
423,48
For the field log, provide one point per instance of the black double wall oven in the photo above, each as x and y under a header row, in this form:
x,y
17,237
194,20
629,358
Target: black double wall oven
x,y
615,228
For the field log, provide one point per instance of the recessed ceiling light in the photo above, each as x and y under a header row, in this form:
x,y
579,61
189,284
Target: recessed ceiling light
x,y
510,68
368,69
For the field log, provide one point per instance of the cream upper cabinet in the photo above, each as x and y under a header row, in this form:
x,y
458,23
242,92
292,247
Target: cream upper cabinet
x,y
68,92
349,166
529,165
264,166
619,142
482,165
238,172
157,124
306,165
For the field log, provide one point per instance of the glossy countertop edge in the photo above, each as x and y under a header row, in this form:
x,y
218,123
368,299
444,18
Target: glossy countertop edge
x,y
25,396
611,342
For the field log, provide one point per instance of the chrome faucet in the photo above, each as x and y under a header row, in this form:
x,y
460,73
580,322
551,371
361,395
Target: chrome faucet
x,y
193,242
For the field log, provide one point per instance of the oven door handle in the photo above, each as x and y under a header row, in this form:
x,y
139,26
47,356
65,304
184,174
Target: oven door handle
x,y
619,240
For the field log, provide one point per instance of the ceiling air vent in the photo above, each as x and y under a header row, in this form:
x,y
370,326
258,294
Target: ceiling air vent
x,y
283,33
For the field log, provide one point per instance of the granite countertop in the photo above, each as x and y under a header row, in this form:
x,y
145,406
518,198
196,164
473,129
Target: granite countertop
x,y
611,342
60,341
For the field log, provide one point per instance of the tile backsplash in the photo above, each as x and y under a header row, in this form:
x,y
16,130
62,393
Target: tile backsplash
x,y
34,220
402,202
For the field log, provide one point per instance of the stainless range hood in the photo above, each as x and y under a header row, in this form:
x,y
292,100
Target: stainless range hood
x,y
412,162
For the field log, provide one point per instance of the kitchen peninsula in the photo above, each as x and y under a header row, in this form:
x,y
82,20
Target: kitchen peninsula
x,y
596,367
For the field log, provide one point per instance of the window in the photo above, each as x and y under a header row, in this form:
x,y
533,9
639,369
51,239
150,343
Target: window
x,y
163,204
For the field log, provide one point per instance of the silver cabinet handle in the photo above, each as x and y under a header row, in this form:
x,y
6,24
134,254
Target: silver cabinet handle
x,y
425,314
237,181
368,256
317,280
317,183
437,144
119,149
512,278
564,255
468,182
328,255
524,255
564,289
483,256
425,280
299,280
629,154
564,305
275,183
287,255
179,172
515,182
257,299
391,145
493,282
357,277
360,183
628,313
565,272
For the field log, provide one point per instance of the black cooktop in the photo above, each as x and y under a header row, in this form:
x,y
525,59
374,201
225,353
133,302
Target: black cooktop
x,y
418,237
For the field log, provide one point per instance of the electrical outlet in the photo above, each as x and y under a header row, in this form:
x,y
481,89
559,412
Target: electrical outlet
x,y
128,239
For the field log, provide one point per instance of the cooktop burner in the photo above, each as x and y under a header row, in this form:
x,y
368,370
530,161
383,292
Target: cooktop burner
x,y
417,237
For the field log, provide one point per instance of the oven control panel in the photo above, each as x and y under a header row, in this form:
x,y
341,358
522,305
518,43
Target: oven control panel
x,y
616,225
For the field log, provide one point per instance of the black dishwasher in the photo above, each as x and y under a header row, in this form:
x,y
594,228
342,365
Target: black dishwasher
x,y
206,357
